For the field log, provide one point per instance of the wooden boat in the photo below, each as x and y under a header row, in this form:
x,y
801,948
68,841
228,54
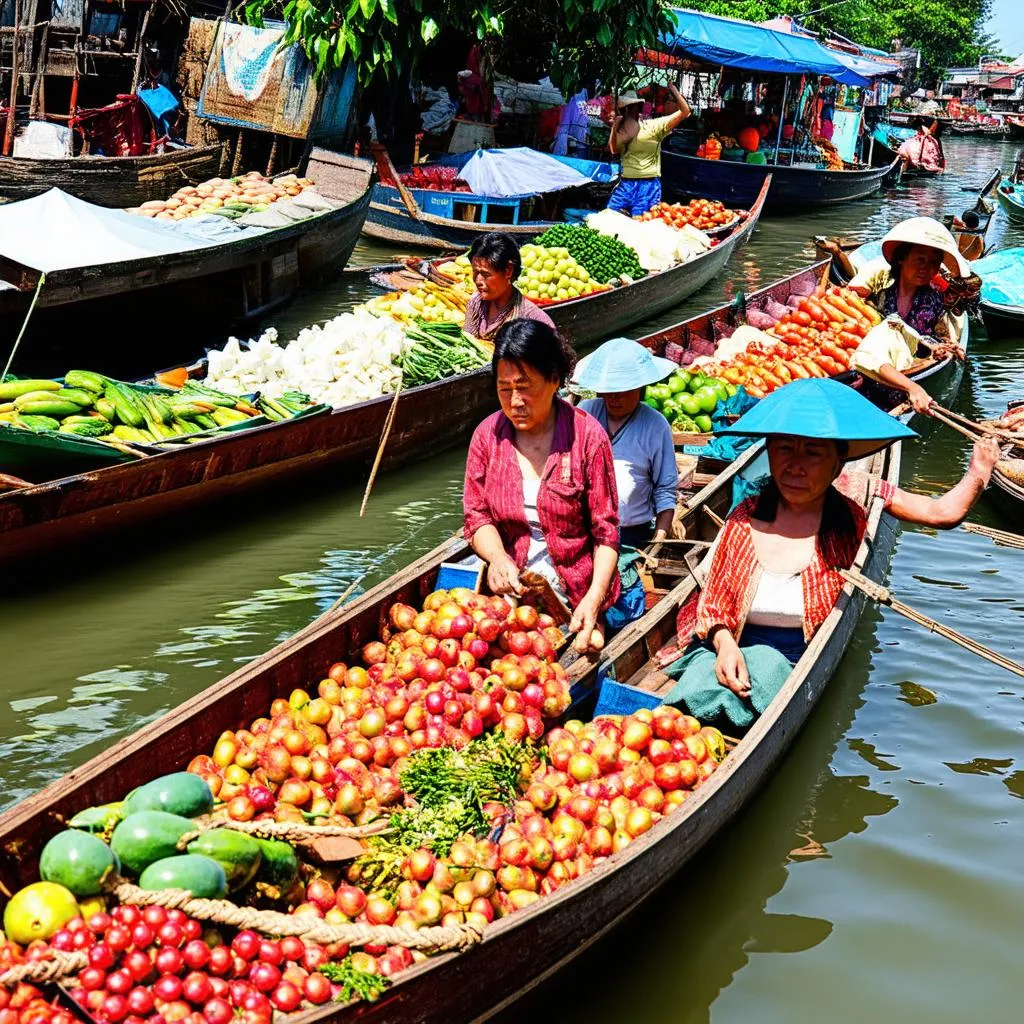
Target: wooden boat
x,y
970,228
1009,487
978,129
1014,127
452,220
1011,199
111,181
521,949
168,299
78,508
1002,292
793,188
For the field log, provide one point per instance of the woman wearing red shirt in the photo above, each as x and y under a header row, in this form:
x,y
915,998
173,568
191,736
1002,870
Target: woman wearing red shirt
x,y
540,483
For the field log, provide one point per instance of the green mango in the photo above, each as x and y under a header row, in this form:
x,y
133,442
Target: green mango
x,y
201,876
179,793
98,819
148,836
80,862
279,865
238,854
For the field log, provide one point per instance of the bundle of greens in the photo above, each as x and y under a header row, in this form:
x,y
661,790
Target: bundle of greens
x,y
440,350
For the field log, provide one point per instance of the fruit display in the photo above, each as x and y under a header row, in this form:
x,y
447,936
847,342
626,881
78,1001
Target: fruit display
x,y
226,197
435,303
704,214
551,274
88,404
434,179
711,148
688,400
829,153
442,734
816,339
605,259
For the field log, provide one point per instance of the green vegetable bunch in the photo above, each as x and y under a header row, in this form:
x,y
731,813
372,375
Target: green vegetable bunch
x,y
604,258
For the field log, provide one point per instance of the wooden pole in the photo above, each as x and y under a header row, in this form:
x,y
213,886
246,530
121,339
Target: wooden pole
x,y
1001,537
273,156
882,596
237,162
12,112
380,449
37,84
138,46
782,118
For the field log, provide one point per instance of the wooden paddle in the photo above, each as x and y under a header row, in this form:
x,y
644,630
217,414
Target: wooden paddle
x,y
882,596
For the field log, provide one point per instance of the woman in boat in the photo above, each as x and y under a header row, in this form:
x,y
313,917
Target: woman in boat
x,y
923,150
540,483
641,438
496,265
774,576
638,142
906,287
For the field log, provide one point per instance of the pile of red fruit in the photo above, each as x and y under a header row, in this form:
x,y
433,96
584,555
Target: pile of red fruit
x,y
463,666
705,214
24,1003
158,966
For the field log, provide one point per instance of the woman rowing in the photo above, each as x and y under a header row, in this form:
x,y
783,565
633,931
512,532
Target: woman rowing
x,y
540,483
496,265
775,573
905,286
637,141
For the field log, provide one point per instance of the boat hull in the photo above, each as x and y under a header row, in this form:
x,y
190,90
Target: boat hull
x,y
1013,208
111,181
793,188
1002,321
521,950
1008,495
165,298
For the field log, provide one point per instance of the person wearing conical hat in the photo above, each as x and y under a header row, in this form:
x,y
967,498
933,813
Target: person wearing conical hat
x,y
907,287
774,575
642,448
637,141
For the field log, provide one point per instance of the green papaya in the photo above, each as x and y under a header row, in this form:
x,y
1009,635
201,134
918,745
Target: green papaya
x,y
201,876
98,819
279,866
148,836
179,793
79,861
238,854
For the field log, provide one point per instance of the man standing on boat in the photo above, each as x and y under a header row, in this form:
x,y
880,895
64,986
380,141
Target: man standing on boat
x,y
638,142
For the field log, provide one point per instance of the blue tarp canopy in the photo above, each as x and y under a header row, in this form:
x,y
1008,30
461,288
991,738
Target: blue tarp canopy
x,y
742,44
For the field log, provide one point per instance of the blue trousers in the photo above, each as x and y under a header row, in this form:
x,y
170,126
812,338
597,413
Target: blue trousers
x,y
634,196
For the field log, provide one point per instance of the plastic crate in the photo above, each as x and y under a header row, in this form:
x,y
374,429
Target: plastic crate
x,y
438,204
618,699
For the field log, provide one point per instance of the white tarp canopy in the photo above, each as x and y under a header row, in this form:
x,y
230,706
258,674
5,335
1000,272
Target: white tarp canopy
x,y
56,231
507,173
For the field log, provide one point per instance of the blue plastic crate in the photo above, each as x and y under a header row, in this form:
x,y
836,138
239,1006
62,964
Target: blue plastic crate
x,y
618,699
438,204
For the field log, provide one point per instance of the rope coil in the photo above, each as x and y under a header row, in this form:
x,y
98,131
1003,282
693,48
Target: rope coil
x,y
441,938
59,966
289,831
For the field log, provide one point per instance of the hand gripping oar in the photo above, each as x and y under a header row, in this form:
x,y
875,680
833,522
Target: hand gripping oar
x,y
882,596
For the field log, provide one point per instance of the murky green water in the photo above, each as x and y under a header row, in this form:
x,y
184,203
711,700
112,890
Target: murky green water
x,y
877,875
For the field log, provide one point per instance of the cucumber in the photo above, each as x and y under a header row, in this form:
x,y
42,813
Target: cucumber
x,y
49,407
77,395
94,382
35,396
11,389
35,422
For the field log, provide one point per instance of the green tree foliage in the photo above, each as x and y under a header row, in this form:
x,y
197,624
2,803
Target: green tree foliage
x,y
576,40
947,32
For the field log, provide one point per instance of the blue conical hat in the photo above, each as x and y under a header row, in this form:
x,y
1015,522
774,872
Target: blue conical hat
x,y
621,365
823,409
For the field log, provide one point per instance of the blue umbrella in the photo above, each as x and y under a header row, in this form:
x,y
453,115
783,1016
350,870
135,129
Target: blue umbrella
x,y
621,365
822,409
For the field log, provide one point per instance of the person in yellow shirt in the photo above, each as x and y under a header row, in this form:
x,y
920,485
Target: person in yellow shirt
x,y
638,142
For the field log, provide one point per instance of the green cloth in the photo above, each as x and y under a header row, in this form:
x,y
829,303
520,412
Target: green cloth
x,y
704,697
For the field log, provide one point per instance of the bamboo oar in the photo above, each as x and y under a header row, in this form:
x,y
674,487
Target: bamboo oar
x,y
882,596
969,428
380,449
1003,537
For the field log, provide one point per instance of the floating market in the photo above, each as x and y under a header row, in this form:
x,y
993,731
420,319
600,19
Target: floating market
x,y
466,539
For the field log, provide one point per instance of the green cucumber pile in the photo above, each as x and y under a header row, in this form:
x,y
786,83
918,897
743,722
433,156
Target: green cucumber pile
x,y
92,405
440,350
603,258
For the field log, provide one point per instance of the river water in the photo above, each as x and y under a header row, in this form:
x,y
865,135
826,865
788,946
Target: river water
x,y
877,874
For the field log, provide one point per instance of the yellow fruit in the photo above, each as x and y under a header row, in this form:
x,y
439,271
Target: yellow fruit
x,y
37,911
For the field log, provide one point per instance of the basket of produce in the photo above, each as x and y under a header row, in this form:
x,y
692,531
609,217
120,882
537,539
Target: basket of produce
x,y
688,401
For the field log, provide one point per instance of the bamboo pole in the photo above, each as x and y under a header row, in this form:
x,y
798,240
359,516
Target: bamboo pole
x,y
12,111
139,48
380,449
882,596
1001,537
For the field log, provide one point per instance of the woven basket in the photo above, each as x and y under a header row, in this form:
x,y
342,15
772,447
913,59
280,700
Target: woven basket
x,y
1012,469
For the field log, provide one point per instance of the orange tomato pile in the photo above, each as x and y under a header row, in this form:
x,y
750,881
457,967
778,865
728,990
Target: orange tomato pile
x,y
705,214
816,340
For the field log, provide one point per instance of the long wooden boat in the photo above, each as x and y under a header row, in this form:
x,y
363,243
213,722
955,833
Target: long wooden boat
x,y
76,509
793,188
452,220
522,949
168,299
970,228
119,181
978,130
